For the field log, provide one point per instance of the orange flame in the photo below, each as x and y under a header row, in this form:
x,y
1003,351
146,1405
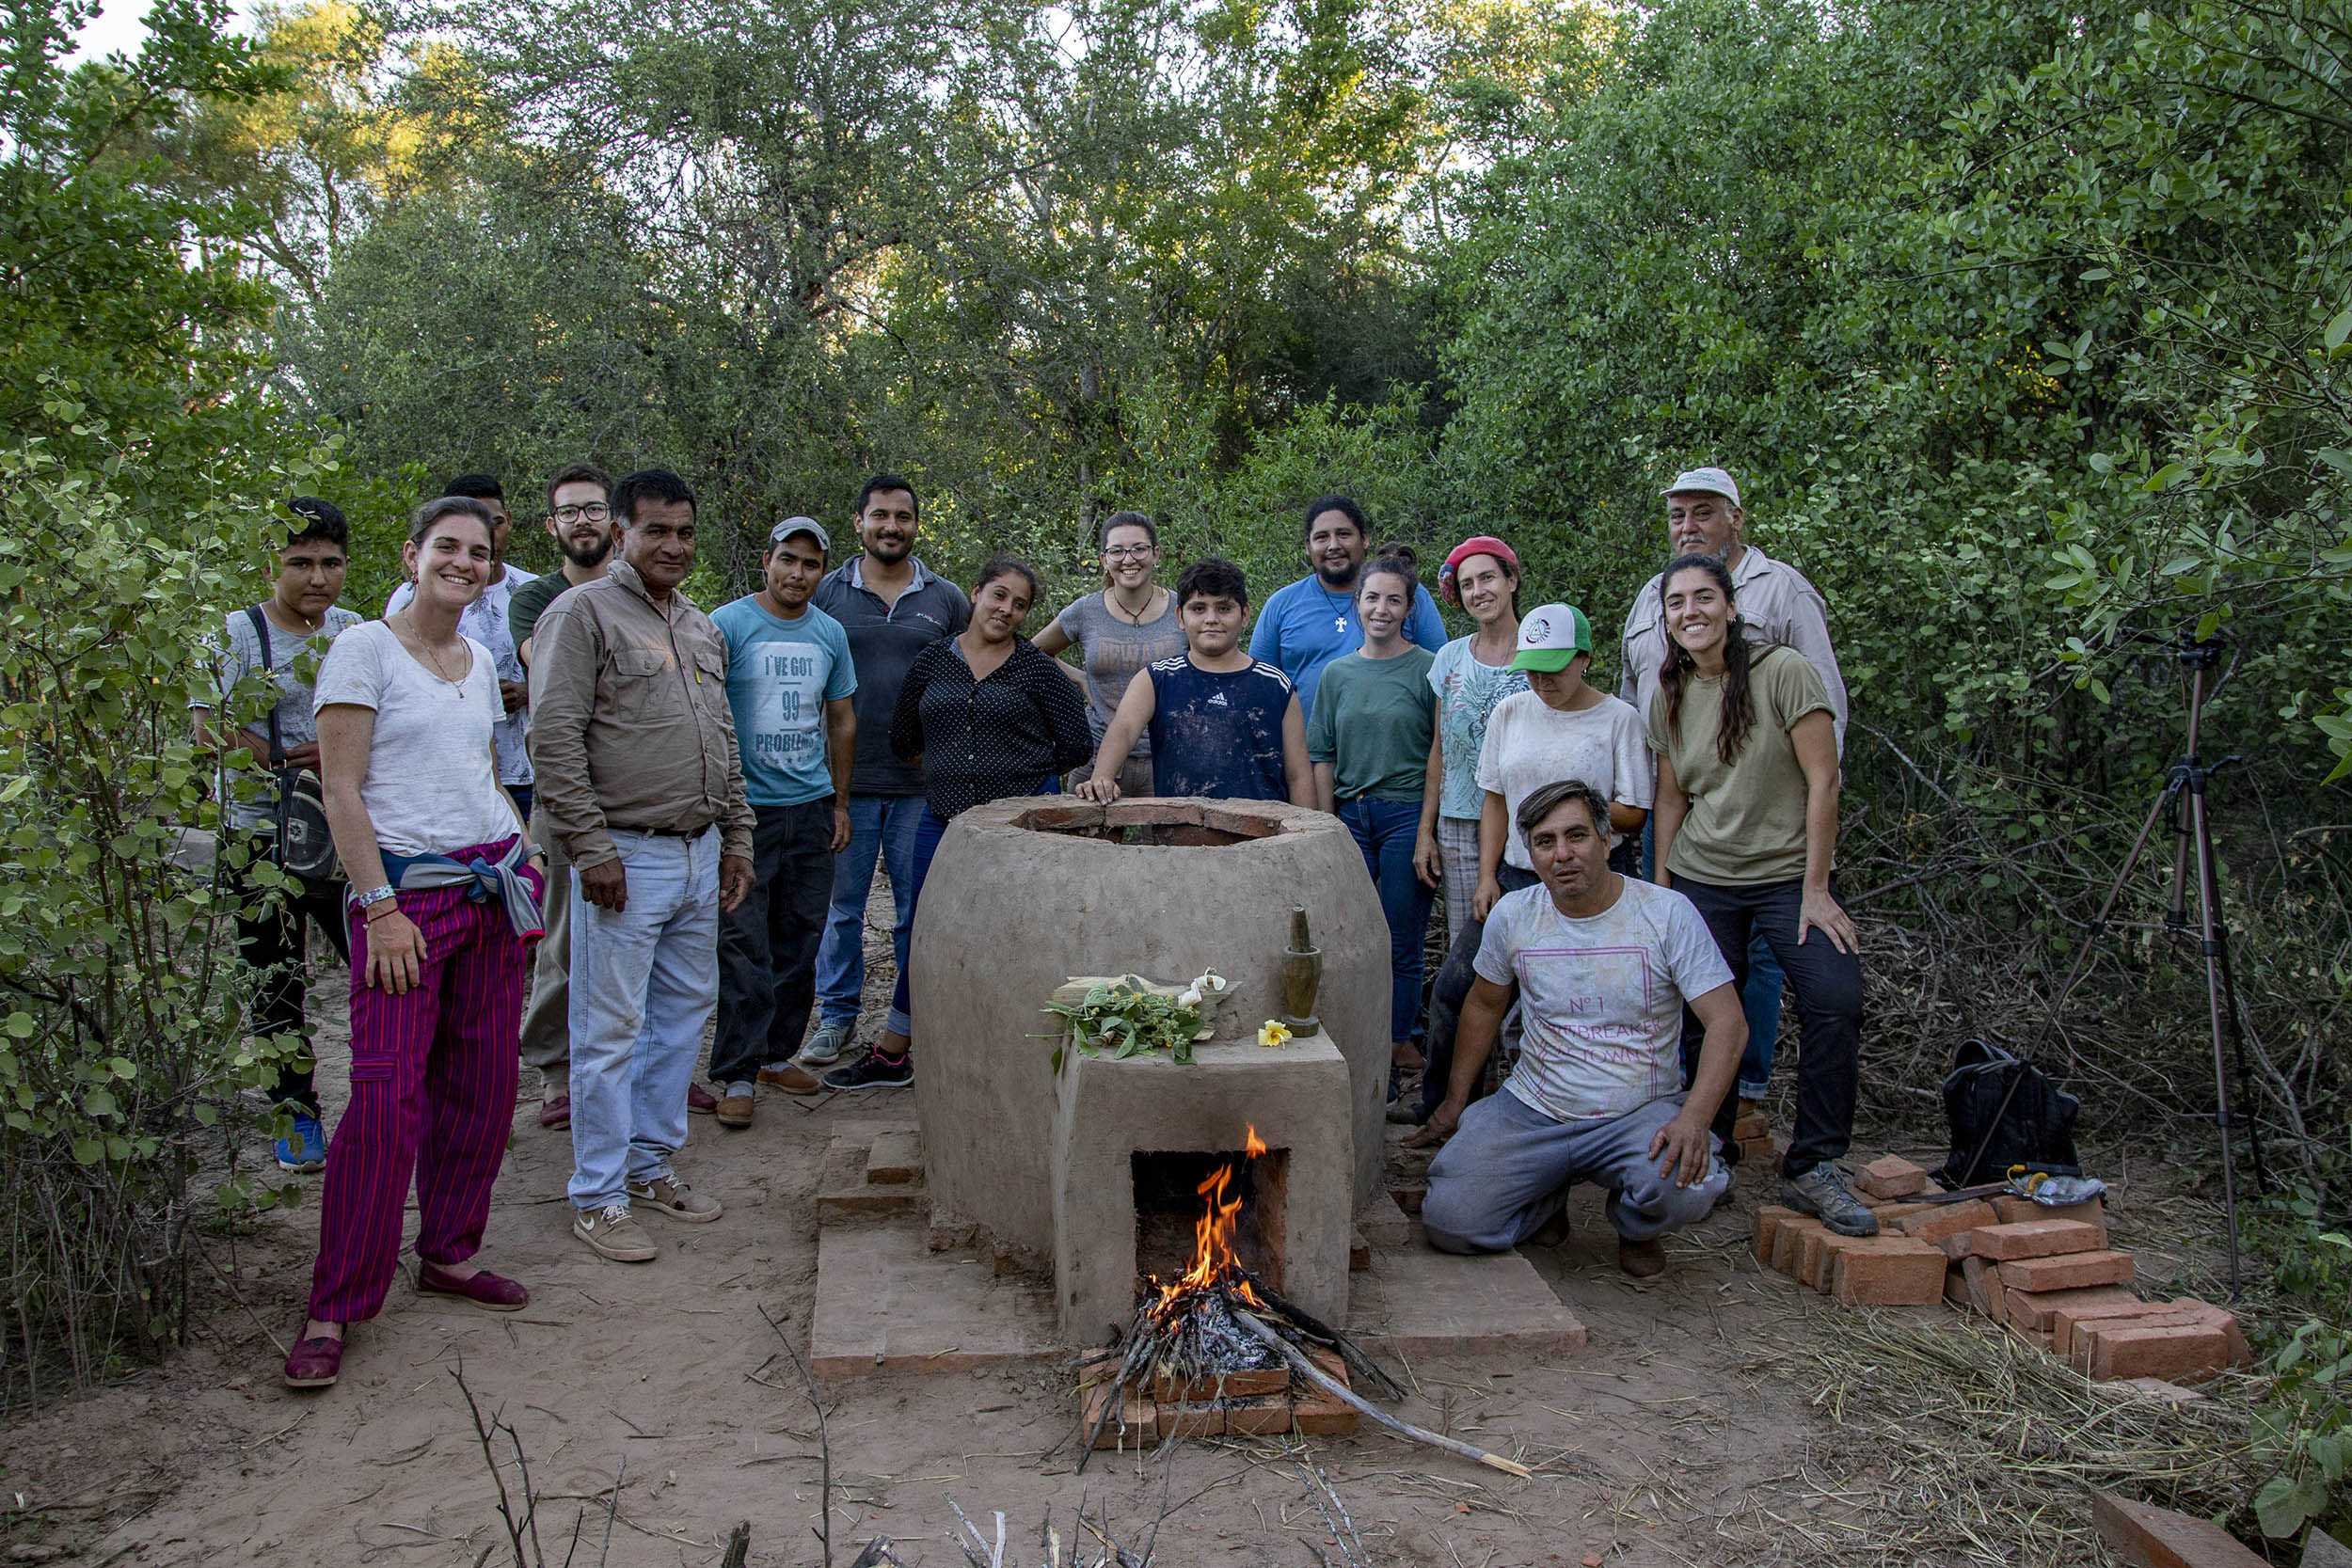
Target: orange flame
x,y
1213,1255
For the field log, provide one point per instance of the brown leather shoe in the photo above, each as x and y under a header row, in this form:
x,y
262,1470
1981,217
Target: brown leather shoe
x,y
791,1078
735,1110
556,1114
700,1102
1642,1259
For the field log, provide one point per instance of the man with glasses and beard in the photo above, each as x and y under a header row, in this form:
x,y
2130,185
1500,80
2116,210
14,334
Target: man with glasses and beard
x,y
579,519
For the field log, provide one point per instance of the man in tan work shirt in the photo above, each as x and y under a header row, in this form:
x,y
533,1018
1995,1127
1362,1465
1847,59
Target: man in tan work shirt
x,y
634,745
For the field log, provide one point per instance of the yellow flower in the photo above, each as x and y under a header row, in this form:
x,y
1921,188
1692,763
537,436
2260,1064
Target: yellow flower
x,y
1273,1032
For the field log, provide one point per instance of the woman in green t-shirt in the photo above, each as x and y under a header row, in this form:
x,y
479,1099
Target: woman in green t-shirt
x,y
1747,831
1369,741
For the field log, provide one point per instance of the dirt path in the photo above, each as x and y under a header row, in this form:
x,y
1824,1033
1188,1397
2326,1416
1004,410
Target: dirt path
x,y
1664,1441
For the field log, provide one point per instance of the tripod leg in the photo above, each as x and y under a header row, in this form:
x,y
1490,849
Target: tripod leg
x,y
2216,989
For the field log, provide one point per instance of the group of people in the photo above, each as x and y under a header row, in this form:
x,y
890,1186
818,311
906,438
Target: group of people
x,y
684,812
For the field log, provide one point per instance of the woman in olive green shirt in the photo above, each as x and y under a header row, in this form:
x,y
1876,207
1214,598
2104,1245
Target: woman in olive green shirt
x,y
1369,741
1747,831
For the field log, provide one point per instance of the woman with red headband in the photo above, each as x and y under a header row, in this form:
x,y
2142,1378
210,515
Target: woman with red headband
x,y
1471,675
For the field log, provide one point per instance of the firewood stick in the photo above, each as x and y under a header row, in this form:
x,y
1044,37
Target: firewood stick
x,y
1306,1368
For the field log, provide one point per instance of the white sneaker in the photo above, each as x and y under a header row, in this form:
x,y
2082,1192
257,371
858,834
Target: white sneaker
x,y
827,1044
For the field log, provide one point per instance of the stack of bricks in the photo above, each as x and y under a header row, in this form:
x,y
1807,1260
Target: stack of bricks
x,y
2045,1272
1248,1404
1754,1134
1898,1267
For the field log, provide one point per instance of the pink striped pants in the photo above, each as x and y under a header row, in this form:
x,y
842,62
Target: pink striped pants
x,y
432,1093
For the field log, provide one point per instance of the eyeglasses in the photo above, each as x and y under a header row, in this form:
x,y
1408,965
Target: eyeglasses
x,y
595,512
1128,552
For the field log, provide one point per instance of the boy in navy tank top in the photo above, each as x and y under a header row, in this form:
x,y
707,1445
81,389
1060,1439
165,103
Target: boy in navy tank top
x,y
1222,723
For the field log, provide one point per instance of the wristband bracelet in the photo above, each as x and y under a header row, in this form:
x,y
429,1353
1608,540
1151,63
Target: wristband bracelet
x,y
369,917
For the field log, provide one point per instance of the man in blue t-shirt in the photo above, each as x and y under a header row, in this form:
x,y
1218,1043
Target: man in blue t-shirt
x,y
789,676
1311,622
1222,723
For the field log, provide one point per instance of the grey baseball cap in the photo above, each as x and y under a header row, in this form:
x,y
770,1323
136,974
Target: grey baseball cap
x,y
1713,480
809,526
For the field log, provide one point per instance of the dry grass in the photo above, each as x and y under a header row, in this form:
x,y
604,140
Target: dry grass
x,y
1966,1445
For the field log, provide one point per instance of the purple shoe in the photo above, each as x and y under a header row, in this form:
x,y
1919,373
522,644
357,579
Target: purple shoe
x,y
315,1363
483,1288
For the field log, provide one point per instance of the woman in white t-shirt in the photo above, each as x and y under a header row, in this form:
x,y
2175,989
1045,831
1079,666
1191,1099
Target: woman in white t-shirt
x,y
1560,727
444,905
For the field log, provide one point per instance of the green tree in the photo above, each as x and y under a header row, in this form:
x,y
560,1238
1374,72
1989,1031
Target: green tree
x,y
133,454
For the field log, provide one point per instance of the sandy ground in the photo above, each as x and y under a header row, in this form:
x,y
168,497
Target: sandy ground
x,y
1669,1439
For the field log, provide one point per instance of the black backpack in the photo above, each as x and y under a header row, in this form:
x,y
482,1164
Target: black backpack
x,y
2005,1112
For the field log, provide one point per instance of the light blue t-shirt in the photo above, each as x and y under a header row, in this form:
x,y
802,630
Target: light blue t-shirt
x,y
1306,625
779,677
1467,693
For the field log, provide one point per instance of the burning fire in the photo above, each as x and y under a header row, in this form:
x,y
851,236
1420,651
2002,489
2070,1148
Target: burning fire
x,y
1214,1261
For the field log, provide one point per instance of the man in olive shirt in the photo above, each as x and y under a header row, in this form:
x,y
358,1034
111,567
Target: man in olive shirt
x,y
645,792
579,518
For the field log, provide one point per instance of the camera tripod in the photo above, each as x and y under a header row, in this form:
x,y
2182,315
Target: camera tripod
x,y
2185,783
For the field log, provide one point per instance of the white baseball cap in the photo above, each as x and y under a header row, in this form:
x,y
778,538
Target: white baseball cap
x,y
1551,637
809,526
1714,481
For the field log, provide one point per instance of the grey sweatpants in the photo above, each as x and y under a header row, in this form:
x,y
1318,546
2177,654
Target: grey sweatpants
x,y
1509,1165
546,1042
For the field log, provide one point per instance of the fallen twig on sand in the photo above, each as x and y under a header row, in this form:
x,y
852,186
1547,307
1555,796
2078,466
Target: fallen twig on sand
x,y
484,1432
1305,1367
825,1452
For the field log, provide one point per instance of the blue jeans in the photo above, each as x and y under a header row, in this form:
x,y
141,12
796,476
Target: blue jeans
x,y
643,983
1759,998
926,837
883,826
1504,1172
1385,832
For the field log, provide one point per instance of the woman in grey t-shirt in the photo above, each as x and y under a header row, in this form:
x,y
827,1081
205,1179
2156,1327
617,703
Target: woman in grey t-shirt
x,y
1120,632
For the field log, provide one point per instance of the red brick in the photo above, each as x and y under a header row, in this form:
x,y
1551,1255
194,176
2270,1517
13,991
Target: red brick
x,y
2227,1320
2013,1210
1813,1256
1246,1384
1066,817
1933,1222
2066,1320
1754,1125
1258,1418
1324,1416
1956,1286
1984,1288
2038,1339
1890,1175
1246,824
1768,1220
1408,1199
2004,1243
2185,1353
2147,1537
1760,1151
1151,810
1784,1239
2034,1308
1191,1421
1136,1426
1897,1272
2068,1271
2158,1315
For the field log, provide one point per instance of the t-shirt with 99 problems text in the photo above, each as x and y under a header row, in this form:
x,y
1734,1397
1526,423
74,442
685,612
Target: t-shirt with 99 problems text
x,y
779,675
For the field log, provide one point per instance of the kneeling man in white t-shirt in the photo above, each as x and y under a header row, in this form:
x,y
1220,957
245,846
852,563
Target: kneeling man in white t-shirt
x,y
1604,965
